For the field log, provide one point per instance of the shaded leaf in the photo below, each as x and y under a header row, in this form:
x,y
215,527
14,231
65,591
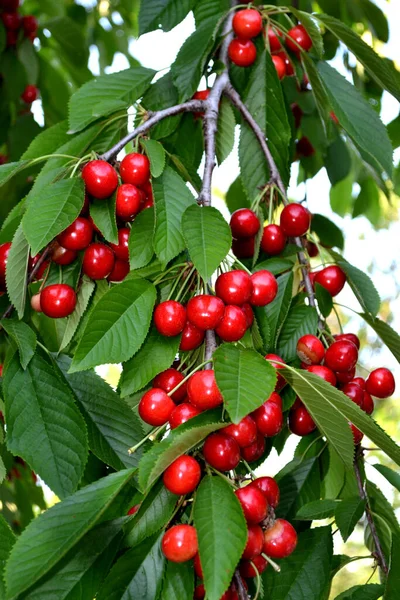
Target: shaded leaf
x,y
347,514
328,232
388,335
103,215
361,284
225,138
392,477
24,337
319,509
178,582
141,239
84,294
299,321
324,299
312,29
299,484
276,312
164,14
372,591
16,271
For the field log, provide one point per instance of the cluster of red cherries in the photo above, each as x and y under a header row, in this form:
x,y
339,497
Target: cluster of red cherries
x,y
248,24
17,27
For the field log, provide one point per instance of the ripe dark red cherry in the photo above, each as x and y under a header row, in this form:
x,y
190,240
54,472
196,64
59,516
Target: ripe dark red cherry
x,y
300,421
280,382
265,288
245,432
255,542
269,418
341,356
332,279
273,241
295,220
380,383
253,502
135,169
270,489
120,271
256,450
98,261
9,5
42,269
179,543
11,20
182,413
101,179
128,201
233,324
205,311
248,313
4,250
298,36
247,569
280,540
288,63
247,23
279,66
368,403
199,592
324,373
234,287
244,248
29,94
273,39
192,337
244,223
242,53
182,476
62,256
29,24
121,250
297,115
304,147
345,376
168,380
58,301
202,390
155,407
350,337
170,318
197,566
354,392
357,434
360,381
221,451
77,236
310,350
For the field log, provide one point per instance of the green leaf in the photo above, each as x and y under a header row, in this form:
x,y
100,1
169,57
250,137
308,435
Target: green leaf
x,y
107,94
171,197
17,266
377,20
236,197
156,354
324,299
245,379
10,169
347,514
48,141
208,238
334,473
221,532
277,311
388,335
117,326
178,582
299,484
180,440
85,293
393,579
362,286
327,231
275,265
392,477
141,239
44,426
300,320
159,95
7,540
367,202
337,162
49,537
340,195
103,215
225,139
312,29
24,337
156,156
319,509
373,591
52,210
318,90
381,506
162,14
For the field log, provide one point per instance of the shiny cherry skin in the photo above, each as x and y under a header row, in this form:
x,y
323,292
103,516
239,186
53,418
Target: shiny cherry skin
x,y
179,543
248,313
77,236
290,71
170,318
168,380
120,270
298,36
101,179
244,248
256,450
276,399
341,356
273,39
244,223
247,23
205,311
255,542
58,300
273,241
350,337
242,53
323,372
11,20
155,407
121,250
30,94
182,413
280,540
4,251
253,502
300,421
269,418
128,201
275,360
265,288
192,337
98,261
295,220
234,287
135,169
202,390
360,381
380,383
368,403
332,278
354,392
182,476
310,350
280,66
221,451
62,256
245,432
270,489
247,570
345,376
357,434
233,324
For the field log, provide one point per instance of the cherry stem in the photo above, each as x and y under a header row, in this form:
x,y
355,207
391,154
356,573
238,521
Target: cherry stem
x,y
152,434
251,472
200,366
273,564
232,483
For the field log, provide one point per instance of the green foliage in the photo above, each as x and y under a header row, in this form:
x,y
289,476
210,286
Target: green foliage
x,y
17,266
103,215
24,337
347,514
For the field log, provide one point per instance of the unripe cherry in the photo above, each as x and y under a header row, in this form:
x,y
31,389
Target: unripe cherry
x,y
182,476
245,432
380,383
155,407
170,318
202,390
273,241
101,179
168,380
135,169
310,350
280,540
234,287
244,223
221,451
179,543
35,303
265,288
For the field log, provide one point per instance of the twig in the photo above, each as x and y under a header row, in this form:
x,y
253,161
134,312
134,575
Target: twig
x,y
241,590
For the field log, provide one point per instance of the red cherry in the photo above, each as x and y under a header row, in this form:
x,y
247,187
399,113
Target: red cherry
x,y
101,179
182,476
242,53
248,313
234,287
4,250
341,356
197,566
380,383
85,208
244,248
310,350
205,311
332,279
120,271
368,403
62,256
304,147
288,63
270,489
245,432
29,94
273,240
269,418
202,390
298,36
265,288
155,407
58,301
133,509
29,24
233,324
121,250
253,502
276,399
247,23
354,392
300,421
273,39
297,114
199,592
221,452
312,249
280,540
98,261
256,450
345,376
135,169
11,20
192,337
9,5
42,269
244,223
357,434
279,66
360,381
170,318
11,38
179,543
350,337
255,542
182,413
247,569
200,95
323,372
168,380
128,201
295,220
280,382
77,236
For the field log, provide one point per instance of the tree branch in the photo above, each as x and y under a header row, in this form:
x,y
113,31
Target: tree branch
x,y
241,590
